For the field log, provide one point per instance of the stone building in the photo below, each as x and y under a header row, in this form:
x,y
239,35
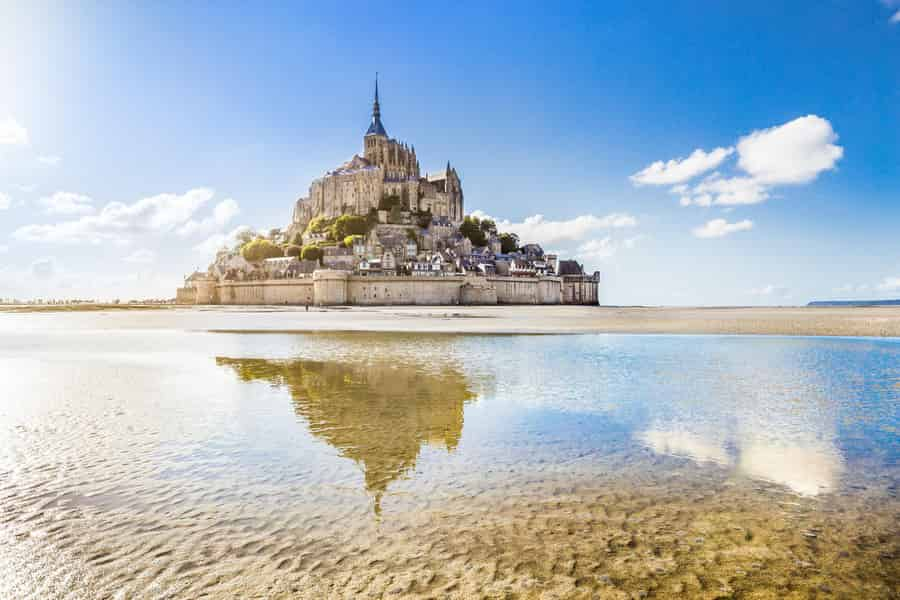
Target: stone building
x,y
387,168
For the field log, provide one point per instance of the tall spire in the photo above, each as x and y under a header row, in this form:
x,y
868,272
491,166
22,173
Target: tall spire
x,y
376,127
376,110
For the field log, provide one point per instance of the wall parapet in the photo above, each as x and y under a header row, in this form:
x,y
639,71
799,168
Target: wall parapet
x,y
328,287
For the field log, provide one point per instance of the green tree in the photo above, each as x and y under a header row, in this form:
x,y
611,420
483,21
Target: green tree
x,y
293,250
509,242
488,226
311,253
318,225
348,225
471,228
260,249
350,240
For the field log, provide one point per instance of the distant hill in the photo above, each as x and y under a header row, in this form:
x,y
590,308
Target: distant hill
x,y
855,303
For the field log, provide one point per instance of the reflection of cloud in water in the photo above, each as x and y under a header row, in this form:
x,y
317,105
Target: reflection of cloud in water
x,y
768,408
808,470
377,414
684,443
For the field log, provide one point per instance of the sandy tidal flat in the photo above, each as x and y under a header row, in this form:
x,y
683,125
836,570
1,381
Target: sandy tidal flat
x,y
825,321
190,453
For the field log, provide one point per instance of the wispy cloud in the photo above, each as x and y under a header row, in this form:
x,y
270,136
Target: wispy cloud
x,y
889,284
50,160
119,222
43,268
793,153
894,5
142,256
67,203
12,133
222,214
679,170
771,290
216,242
720,228
538,229
5,201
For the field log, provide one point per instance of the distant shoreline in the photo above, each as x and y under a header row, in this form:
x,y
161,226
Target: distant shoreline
x,y
851,321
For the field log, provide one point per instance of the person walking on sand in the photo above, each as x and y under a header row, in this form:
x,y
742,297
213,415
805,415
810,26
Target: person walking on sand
x,y
307,307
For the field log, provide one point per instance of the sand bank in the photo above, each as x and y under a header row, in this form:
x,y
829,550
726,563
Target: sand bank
x,y
828,321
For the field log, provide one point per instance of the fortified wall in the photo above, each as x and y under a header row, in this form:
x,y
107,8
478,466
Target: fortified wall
x,y
335,288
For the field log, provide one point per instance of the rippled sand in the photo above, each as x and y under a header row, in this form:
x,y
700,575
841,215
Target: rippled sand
x,y
552,535
146,462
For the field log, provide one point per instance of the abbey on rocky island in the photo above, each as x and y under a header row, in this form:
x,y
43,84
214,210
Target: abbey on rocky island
x,y
387,168
374,231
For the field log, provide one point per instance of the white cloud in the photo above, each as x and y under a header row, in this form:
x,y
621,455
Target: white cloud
x,y
50,160
223,212
43,268
142,256
11,133
596,250
67,203
4,249
5,201
539,230
889,284
679,170
849,288
729,191
27,188
119,222
632,241
601,249
793,153
216,242
720,228
770,290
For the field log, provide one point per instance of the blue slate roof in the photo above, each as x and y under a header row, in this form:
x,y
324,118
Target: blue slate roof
x,y
376,127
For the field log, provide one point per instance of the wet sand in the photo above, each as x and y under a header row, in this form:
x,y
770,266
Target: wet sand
x,y
142,457
807,321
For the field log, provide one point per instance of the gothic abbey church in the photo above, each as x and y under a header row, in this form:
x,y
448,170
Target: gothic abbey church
x,y
387,168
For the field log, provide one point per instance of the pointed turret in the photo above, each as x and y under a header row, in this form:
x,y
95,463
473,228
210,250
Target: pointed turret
x,y
376,127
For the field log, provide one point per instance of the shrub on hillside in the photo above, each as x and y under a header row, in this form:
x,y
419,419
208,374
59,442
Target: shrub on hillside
x,y
509,242
350,240
348,225
260,249
471,228
311,253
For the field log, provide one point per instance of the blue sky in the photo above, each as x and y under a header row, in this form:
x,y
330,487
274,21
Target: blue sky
x,y
134,137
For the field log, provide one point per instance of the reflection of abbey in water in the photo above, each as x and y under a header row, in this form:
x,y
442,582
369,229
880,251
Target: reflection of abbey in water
x,y
379,415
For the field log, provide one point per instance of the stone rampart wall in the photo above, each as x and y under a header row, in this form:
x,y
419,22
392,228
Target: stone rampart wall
x,y
276,291
527,290
382,290
330,288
